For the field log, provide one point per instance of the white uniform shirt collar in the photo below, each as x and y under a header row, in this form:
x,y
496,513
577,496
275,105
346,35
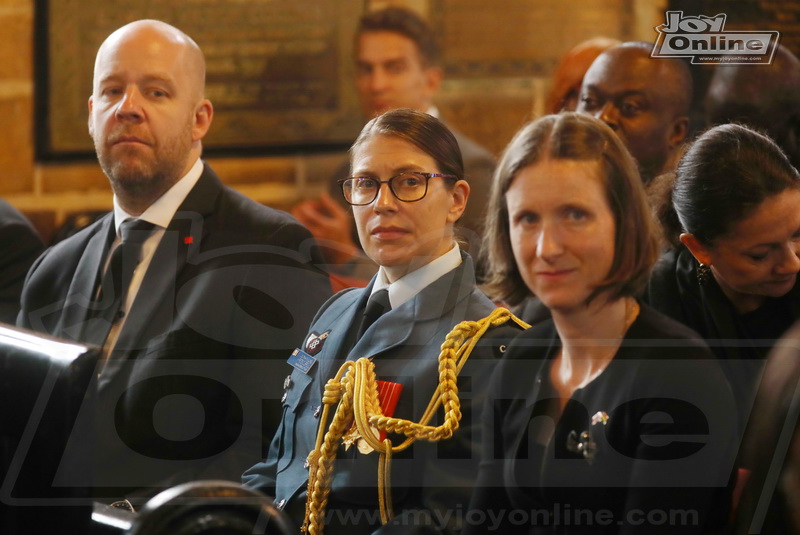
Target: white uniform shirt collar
x,y
405,288
162,211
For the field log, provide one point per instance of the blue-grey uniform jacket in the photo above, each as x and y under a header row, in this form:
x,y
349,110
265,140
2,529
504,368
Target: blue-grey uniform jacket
x,y
430,482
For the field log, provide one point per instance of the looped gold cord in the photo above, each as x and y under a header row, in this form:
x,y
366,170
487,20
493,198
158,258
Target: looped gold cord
x,y
355,389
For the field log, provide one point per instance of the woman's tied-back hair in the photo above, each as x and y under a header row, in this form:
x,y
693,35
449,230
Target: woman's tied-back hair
x,y
723,177
577,137
424,131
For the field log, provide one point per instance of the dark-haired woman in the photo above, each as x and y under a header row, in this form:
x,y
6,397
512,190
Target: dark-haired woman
x,y
580,431
736,202
407,192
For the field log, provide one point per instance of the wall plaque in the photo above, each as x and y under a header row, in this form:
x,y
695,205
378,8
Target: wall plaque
x,y
279,73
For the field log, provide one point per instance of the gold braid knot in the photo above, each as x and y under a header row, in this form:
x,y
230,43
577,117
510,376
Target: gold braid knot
x,y
355,389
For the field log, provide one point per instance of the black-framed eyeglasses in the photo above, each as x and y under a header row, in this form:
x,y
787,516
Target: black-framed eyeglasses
x,y
406,187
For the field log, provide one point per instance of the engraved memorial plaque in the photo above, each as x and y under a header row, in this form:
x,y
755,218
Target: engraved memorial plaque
x,y
280,74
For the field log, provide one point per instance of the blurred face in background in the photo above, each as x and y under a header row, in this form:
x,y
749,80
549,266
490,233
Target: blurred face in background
x,y
637,96
390,74
569,74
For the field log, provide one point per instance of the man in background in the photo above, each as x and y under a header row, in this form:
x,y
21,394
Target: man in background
x,y
397,66
644,100
572,67
766,97
196,294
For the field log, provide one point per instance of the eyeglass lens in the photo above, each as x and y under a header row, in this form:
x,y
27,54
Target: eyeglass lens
x,y
406,187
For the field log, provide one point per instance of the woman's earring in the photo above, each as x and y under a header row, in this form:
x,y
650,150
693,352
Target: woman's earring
x,y
703,274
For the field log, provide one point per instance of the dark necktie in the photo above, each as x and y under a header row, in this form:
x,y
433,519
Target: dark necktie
x,y
113,289
377,305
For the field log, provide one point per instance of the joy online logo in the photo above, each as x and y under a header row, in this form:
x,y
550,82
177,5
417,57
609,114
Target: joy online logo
x,y
705,40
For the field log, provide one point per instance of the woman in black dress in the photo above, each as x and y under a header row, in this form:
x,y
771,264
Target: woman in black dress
x,y
608,417
736,210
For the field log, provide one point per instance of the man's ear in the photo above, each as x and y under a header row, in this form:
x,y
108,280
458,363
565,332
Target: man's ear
x,y
460,195
698,250
91,126
203,115
678,131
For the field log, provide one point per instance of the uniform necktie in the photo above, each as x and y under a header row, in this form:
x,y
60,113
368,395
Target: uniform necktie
x,y
377,305
112,291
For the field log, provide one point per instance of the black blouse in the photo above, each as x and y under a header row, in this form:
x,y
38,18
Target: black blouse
x,y
647,447
741,341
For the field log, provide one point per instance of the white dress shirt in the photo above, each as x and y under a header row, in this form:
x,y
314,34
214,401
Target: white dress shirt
x,y
160,214
406,287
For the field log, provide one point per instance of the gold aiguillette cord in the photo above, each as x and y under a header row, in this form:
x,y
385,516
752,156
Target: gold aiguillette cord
x,y
355,390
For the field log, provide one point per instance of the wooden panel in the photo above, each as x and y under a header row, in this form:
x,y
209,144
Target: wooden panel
x,y
519,37
16,152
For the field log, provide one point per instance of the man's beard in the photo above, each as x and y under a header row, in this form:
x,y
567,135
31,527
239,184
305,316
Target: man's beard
x,y
142,177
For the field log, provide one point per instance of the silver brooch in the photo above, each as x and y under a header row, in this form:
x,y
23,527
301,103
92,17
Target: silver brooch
x,y
584,443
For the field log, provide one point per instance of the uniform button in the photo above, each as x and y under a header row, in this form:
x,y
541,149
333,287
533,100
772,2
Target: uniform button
x,y
287,382
317,410
306,464
280,504
284,396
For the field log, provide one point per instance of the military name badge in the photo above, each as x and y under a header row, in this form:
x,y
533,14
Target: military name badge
x,y
301,360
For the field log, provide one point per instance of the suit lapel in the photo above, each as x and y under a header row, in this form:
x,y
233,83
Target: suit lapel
x,y
422,316
79,297
420,319
153,310
388,331
347,312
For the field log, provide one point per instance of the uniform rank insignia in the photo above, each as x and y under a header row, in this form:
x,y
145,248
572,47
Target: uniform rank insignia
x,y
314,342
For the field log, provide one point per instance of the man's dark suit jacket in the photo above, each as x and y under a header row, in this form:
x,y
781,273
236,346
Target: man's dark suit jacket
x,y
20,245
194,379
429,480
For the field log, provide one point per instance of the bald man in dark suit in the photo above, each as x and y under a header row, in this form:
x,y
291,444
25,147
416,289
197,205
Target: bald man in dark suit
x,y
194,292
